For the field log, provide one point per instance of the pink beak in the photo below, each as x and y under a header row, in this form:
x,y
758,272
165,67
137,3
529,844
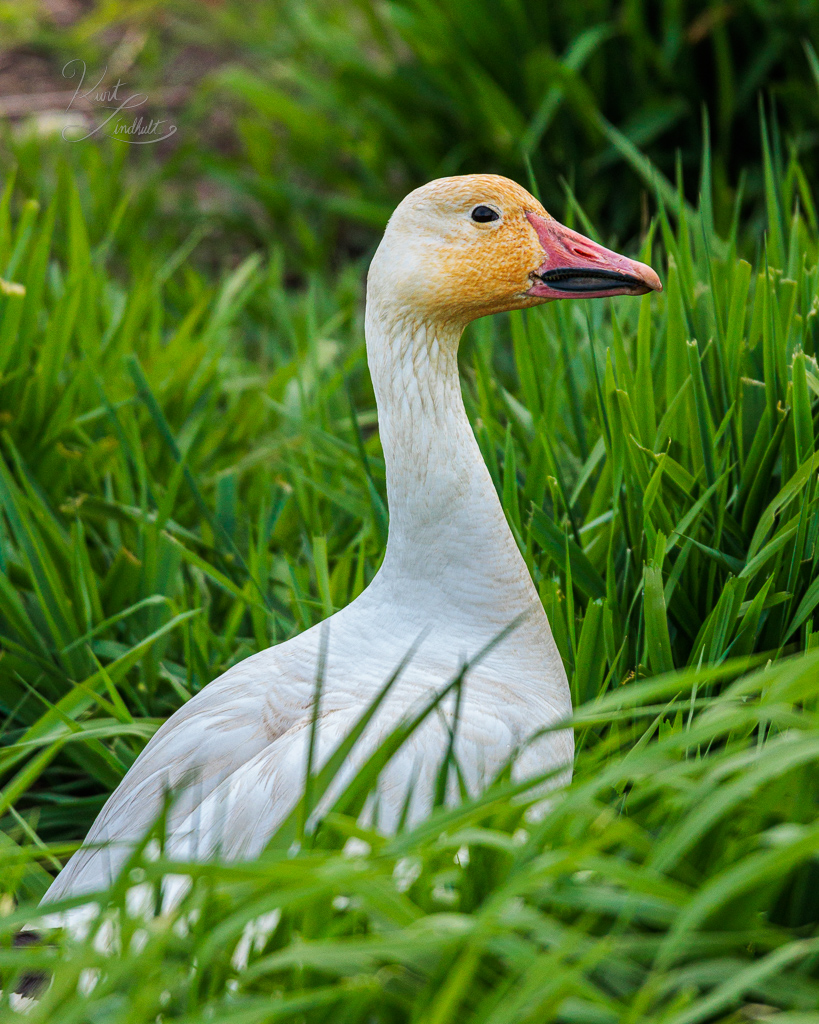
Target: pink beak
x,y
576,267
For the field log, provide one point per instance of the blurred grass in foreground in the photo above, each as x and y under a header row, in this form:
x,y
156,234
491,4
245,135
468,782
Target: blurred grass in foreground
x,y
190,472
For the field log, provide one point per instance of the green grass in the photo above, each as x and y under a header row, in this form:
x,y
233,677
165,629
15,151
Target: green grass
x,y
309,121
189,472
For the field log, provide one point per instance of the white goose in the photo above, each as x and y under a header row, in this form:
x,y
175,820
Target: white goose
x,y
456,249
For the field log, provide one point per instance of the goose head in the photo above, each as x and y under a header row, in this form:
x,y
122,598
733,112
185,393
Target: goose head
x,y
463,247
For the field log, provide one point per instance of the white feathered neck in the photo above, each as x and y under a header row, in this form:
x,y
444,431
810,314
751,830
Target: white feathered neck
x,y
449,542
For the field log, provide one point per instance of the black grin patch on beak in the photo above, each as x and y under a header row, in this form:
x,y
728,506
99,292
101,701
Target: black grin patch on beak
x,y
566,279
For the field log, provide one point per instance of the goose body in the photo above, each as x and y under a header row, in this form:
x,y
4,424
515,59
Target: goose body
x,y
451,581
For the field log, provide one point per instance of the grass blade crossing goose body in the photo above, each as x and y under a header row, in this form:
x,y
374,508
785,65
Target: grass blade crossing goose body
x,y
454,250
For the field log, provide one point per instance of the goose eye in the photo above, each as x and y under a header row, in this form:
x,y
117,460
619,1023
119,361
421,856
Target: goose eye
x,y
483,214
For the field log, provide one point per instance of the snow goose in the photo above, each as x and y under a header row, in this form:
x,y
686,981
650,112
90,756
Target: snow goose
x,y
454,250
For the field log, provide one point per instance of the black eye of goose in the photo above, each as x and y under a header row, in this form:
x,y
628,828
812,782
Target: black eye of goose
x,y
483,214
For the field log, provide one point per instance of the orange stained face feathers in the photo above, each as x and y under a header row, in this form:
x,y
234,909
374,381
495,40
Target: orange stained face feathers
x,y
462,247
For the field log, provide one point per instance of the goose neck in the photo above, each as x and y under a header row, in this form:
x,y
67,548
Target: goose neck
x,y
448,535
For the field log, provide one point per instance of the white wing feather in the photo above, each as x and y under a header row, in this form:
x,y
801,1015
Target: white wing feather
x,y
235,755
225,725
